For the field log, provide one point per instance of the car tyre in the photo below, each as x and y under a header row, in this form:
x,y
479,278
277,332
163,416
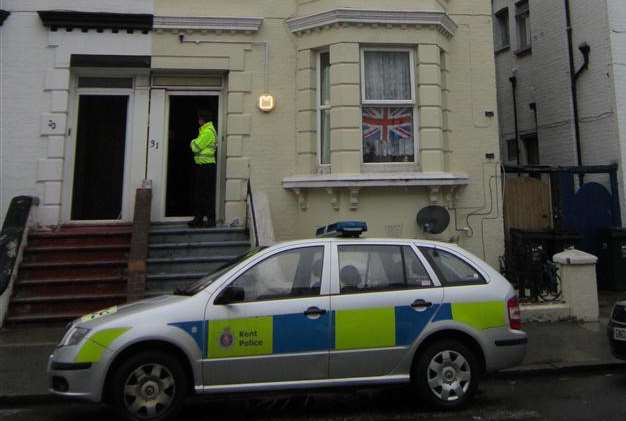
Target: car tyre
x,y
447,374
149,386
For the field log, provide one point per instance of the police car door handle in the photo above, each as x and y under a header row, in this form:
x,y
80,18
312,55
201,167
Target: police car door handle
x,y
314,311
421,304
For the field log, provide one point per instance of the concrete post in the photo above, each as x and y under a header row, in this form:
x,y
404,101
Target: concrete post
x,y
578,283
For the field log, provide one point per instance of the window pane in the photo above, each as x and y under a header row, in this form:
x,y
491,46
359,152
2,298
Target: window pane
x,y
502,29
325,136
380,268
294,273
387,75
451,269
388,134
324,79
416,275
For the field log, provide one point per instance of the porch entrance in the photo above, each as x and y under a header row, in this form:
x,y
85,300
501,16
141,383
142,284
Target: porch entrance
x,y
182,128
173,125
99,160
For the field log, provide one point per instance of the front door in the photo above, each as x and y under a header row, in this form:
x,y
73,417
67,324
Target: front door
x,y
280,330
98,179
173,124
386,299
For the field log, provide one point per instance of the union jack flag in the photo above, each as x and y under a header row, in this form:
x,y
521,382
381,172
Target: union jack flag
x,y
383,124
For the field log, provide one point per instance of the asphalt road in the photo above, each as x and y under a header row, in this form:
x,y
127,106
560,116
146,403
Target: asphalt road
x,y
584,396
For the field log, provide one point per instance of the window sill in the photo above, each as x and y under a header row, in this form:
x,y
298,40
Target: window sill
x,y
300,184
502,49
401,179
524,51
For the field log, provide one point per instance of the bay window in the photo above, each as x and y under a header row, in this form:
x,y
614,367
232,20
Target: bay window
x,y
388,105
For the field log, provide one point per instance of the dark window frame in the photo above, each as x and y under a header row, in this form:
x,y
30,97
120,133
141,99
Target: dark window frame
x,y
503,26
522,21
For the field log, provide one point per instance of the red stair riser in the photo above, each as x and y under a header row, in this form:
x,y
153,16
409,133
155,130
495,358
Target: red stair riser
x,y
82,288
78,241
71,272
79,255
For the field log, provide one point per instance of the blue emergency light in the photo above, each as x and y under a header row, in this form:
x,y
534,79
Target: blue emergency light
x,y
342,229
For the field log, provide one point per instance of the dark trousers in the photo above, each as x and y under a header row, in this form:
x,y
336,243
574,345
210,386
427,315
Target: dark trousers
x,y
204,191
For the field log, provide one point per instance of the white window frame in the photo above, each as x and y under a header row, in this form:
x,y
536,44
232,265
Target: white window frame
x,y
387,103
411,101
319,107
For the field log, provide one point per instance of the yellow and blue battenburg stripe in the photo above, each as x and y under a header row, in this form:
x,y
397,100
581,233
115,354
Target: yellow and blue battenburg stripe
x,y
337,330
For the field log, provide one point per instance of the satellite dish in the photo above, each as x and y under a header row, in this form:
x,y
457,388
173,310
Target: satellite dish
x,y
433,219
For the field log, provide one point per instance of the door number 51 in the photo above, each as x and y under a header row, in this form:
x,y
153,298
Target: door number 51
x,y
154,144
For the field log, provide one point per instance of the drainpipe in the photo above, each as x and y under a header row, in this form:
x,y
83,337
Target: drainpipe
x,y
574,76
513,81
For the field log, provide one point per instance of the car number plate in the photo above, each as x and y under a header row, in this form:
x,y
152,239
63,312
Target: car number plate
x,y
619,334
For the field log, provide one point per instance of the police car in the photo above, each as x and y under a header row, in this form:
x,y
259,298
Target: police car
x,y
332,311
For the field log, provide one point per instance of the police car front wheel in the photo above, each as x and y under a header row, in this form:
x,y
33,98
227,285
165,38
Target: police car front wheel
x,y
149,386
447,374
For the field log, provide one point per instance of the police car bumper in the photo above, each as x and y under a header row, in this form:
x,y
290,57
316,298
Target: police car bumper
x,y
506,352
74,380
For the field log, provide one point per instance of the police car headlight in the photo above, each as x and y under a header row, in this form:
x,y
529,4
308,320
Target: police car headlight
x,y
74,336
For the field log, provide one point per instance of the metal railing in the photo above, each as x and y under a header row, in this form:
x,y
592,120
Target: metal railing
x,y
252,212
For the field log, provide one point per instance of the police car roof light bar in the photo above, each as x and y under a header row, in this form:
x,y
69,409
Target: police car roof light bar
x,y
342,229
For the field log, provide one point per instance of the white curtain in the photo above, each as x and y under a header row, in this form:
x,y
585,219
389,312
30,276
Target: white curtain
x,y
387,75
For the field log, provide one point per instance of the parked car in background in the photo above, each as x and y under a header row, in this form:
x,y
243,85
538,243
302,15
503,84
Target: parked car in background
x,y
303,314
616,330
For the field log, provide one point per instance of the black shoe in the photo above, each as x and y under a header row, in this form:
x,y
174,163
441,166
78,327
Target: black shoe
x,y
195,223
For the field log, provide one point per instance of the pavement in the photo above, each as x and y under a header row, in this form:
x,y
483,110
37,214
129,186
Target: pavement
x,y
559,347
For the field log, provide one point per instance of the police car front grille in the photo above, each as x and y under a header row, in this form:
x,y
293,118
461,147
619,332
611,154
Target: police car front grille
x,y
619,314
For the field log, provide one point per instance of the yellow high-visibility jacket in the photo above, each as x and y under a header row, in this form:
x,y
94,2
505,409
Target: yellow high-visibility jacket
x,y
203,146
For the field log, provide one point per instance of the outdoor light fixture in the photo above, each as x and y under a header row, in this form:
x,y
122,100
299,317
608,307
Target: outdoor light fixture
x,y
266,103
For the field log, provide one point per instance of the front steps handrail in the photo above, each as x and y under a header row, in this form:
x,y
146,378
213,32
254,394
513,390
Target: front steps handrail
x,y
12,243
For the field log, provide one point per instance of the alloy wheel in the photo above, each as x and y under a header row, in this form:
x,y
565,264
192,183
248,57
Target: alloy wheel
x,y
149,390
449,375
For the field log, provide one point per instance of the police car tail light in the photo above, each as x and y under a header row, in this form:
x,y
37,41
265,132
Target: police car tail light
x,y
515,317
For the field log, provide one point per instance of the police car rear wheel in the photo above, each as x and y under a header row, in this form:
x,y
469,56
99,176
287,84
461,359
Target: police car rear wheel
x,y
150,386
447,374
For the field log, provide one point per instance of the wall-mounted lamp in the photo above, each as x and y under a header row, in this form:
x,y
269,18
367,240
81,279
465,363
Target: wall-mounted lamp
x,y
267,103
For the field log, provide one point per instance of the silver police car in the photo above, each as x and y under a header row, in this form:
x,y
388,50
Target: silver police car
x,y
304,314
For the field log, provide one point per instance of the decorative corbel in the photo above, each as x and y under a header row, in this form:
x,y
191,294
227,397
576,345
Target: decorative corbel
x,y
450,196
435,195
334,198
302,202
354,198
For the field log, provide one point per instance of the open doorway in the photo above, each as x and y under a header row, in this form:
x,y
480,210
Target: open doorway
x,y
99,162
182,128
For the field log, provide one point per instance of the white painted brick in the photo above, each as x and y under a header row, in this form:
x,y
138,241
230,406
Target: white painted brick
x,y
52,193
56,146
58,101
50,169
57,79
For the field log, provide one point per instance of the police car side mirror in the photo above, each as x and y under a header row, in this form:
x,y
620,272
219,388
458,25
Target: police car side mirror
x,y
230,295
